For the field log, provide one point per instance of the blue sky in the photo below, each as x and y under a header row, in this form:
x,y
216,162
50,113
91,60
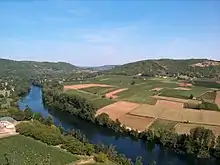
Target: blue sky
x,y
93,33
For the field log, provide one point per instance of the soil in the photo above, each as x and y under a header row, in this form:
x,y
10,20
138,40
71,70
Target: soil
x,y
156,89
178,114
117,109
206,63
87,161
217,98
148,111
81,86
184,84
136,122
169,104
184,89
113,93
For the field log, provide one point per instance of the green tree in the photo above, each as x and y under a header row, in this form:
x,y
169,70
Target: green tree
x,y
138,161
49,121
28,113
191,96
101,157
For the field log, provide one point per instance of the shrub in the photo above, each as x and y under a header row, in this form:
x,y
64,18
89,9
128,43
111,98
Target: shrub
x,y
101,157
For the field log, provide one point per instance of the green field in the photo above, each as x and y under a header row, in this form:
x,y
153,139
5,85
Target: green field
x,y
166,124
209,96
99,90
139,89
29,151
97,100
183,94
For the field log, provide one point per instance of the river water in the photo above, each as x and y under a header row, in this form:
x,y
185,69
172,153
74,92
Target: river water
x,y
125,145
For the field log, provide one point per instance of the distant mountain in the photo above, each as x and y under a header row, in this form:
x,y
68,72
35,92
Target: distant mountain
x,y
33,68
189,67
100,68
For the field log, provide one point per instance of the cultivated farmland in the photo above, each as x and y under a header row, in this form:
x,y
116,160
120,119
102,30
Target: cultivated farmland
x,y
139,102
29,151
117,109
183,128
136,122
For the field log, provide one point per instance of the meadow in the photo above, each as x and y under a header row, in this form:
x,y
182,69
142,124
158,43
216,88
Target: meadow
x,y
29,151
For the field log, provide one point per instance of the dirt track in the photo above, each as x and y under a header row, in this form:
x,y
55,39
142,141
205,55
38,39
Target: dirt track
x,y
81,86
184,84
181,88
117,109
113,93
217,98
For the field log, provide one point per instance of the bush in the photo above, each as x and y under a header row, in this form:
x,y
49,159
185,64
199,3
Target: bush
x,y
38,131
101,157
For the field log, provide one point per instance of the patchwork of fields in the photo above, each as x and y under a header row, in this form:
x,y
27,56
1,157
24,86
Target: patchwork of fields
x,y
141,103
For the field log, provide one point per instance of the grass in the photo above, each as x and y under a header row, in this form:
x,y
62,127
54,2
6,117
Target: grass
x,y
209,96
81,93
99,90
102,102
29,151
96,100
183,94
161,123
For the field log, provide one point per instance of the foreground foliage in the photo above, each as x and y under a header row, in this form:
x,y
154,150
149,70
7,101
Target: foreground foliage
x,y
22,150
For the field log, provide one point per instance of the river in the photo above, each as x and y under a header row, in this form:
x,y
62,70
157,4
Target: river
x,y
125,145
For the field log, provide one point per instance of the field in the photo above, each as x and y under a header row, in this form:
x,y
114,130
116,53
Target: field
x,y
178,115
97,100
99,90
166,124
29,151
136,122
117,109
209,96
140,103
182,128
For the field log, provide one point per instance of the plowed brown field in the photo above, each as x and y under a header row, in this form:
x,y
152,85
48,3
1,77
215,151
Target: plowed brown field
x,y
136,122
81,86
169,104
178,114
117,109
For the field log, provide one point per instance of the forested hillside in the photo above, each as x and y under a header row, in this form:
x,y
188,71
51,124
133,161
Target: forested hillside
x,y
31,68
201,68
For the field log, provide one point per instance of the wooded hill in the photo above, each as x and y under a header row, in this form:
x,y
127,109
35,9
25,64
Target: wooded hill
x,y
200,68
32,68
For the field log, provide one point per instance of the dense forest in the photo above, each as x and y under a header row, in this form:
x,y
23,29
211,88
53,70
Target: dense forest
x,y
200,68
